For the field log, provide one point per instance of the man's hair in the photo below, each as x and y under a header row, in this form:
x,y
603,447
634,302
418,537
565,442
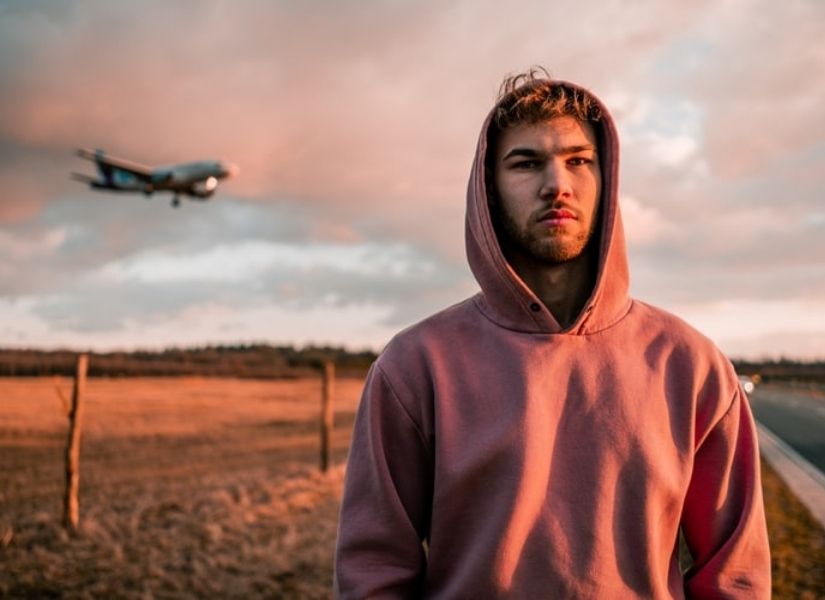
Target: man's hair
x,y
533,96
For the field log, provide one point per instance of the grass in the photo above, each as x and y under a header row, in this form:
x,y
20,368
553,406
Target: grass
x,y
797,542
216,493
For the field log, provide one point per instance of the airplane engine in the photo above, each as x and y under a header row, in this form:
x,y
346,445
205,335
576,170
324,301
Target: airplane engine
x,y
205,188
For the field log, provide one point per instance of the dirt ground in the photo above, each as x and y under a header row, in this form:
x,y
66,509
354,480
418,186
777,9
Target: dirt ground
x,y
210,488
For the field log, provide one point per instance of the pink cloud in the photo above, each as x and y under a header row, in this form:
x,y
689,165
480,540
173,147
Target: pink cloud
x,y
20,199
343,105
765,100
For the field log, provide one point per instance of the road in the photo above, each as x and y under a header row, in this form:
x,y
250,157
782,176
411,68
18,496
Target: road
x,y
795,417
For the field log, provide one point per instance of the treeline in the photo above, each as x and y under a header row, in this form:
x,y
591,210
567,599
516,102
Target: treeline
x,y
783,370
248,361
264,361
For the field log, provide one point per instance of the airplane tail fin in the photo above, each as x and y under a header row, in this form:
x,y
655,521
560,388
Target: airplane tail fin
x,y
103,168
90,154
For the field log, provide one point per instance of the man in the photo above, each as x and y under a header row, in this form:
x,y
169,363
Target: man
x,y
550,436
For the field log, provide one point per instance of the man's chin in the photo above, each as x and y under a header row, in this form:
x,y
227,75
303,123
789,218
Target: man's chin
x,y
558,254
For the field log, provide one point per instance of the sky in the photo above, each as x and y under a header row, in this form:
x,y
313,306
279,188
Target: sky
x,y
354,125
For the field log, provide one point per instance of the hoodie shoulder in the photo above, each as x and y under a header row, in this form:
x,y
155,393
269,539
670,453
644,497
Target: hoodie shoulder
x,y
687,357
417,357
421,353
430,334
681,333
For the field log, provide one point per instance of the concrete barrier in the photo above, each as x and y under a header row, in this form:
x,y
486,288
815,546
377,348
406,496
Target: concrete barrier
x,y
804,479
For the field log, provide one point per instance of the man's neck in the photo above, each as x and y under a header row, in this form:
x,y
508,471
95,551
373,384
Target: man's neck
x,y
564,288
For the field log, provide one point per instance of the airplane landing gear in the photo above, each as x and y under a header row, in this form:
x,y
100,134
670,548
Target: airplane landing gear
x,y
175,202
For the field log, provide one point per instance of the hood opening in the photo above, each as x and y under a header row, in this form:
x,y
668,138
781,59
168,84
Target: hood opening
x,y
505,297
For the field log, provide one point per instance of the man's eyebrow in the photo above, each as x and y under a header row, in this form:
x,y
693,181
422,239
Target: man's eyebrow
x,y
532,152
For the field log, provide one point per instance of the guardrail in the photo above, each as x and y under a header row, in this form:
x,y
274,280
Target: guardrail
x,y
805,480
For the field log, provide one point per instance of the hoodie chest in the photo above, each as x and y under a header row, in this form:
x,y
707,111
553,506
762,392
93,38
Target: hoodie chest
x,y
568,405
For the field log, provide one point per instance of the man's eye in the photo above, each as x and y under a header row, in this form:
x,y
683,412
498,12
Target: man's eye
x,y
579,160
525,164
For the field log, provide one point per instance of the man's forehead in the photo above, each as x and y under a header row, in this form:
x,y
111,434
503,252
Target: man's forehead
x,y
564,131
563,125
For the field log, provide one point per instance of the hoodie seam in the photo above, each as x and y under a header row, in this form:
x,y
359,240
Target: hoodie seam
x,y
630,303
619,319
734,396
405,412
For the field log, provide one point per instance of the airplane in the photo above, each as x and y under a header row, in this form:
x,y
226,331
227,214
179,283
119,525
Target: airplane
x,y
198,180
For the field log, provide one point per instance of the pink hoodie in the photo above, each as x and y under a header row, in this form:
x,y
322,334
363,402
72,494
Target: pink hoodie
x,y
496,455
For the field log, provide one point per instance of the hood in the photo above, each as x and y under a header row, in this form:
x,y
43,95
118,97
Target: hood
x,y
505,298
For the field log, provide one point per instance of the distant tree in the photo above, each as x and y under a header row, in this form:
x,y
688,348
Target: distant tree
x,y
239,360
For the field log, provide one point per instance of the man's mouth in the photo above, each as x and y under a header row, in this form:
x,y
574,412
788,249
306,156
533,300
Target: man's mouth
x,y
557,216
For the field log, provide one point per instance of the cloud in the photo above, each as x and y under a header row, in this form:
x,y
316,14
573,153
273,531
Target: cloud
x,y
253,258
20,201
354,124
332,106
28,178
644,225
25,248
764,97
761,328
96,304
204,323
777,345
244,255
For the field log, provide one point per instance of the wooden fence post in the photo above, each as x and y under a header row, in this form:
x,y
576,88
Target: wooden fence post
x,y
327,392
71,513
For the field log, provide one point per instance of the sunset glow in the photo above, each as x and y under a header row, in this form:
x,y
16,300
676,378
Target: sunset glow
x,y
353,126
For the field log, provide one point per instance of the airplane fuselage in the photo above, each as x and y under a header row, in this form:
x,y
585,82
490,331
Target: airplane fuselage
x,y
198,180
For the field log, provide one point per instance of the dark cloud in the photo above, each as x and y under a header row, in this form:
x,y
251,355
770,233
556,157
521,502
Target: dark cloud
x,y
418,288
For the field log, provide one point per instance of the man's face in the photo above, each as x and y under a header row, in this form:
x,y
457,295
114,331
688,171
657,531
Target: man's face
x,y
548,184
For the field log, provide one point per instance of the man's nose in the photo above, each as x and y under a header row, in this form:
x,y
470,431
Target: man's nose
x,y
555,182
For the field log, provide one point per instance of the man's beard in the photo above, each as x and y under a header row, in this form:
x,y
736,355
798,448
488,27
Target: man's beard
x,y
545,248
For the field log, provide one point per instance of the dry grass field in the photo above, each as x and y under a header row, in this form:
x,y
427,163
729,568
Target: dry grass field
x,y
208,488
189,488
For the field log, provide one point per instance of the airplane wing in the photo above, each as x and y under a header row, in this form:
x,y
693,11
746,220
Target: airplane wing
x,y
107,163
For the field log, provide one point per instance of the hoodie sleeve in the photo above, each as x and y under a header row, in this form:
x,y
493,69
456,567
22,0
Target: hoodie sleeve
x,y
387,496
723,518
